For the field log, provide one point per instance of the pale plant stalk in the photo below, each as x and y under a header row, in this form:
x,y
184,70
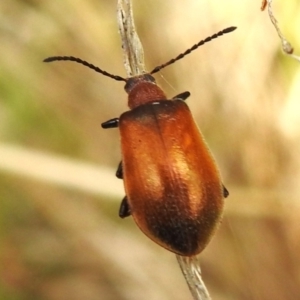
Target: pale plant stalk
x,y
285,44
190,268
134,64
133,51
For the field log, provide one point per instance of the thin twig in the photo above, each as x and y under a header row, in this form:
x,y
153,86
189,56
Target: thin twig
x,y
134,65
285,44
190,268
132,47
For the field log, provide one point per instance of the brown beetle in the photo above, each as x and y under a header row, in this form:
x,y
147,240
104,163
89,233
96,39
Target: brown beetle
x,y
173,187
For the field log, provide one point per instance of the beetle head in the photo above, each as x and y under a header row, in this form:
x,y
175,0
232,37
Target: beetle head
x,y
143,89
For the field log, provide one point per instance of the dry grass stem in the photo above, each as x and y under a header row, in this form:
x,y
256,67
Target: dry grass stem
x,y
285,44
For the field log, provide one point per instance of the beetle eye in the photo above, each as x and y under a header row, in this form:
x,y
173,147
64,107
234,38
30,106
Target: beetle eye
x,y
149,78
129,85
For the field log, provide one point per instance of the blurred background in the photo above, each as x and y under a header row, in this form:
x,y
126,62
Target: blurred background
x,y
60,234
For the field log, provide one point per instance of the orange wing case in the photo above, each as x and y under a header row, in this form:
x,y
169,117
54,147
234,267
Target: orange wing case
x,y
172,183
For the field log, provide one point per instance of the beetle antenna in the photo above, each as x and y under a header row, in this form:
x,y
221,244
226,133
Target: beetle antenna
x,y
85,63
188,51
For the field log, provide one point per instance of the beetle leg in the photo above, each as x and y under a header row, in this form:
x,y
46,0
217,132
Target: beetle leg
x,y
182,96
124,210
112,123
119,172
225,192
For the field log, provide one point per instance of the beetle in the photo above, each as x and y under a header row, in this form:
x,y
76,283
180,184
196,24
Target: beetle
x,y
174,190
